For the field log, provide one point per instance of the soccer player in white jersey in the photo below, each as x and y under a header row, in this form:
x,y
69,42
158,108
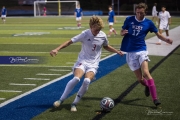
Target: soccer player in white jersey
x,y
154,13
164,22
78,14
92,40
3,14
134,30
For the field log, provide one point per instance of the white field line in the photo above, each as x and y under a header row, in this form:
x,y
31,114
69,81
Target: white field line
x,y
46,74
59,70
2,98
103,55
9,91
36,66
19,84
36,78
42,86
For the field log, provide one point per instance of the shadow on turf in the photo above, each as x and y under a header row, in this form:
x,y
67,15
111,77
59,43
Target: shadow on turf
x,y
129,102
66,106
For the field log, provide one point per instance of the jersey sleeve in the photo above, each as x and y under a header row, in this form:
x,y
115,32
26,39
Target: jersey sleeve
x,y
169,16
106,42
125,25
153,27
78,38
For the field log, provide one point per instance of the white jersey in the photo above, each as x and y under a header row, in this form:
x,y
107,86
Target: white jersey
x,y
164,17
154,11
91,46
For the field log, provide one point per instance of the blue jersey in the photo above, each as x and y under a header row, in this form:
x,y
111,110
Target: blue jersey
x,y
78,12
3,12
111,16
134,40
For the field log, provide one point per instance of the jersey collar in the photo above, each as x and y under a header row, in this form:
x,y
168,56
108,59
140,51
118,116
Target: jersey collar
x,y
140,20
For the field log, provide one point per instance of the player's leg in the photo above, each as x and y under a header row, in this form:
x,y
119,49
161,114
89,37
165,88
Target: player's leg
x,y
134,65
79,23
114,31
84,87
110,30
150,82
78,73
159,41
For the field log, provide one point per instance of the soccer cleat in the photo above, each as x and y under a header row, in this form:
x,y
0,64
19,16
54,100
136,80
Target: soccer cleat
x,y
57,103
147,91
73,108
157,102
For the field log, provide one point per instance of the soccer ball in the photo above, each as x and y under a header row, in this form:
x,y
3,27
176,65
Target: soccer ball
x,y
107,104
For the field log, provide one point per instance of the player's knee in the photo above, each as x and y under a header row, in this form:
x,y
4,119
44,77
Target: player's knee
x,y
146,74
76,78
86,81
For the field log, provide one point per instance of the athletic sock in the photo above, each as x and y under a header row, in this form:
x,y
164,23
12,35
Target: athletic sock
x,y
152,89
144,82
160,41
82,90
69,87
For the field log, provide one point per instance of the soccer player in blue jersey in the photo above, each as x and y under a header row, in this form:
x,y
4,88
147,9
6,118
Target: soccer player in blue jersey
x,y
134,30
111,20
3,14
78,13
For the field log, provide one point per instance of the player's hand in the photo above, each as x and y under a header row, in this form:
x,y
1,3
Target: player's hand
x,y
170,41
124,32
169,23
53,52
120,53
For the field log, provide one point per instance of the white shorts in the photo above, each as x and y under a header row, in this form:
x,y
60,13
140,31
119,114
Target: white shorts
x,y
85,67
78,18
164,26
111,23
3,16
135,59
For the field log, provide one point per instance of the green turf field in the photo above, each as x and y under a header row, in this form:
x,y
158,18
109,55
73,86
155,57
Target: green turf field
x,y
15,41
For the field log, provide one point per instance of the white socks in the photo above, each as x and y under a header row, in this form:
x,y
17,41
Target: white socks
x,y
82,90
161,40
69,87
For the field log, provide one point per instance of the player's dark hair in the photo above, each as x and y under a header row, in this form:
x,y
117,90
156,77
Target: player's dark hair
x,y
110,6
163,6
155,4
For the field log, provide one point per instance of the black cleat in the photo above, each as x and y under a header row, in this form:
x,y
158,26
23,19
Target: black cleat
x,y
147,91
157,102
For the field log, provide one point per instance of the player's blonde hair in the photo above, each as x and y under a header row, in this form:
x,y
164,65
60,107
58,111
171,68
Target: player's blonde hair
x,y
141,5
96,22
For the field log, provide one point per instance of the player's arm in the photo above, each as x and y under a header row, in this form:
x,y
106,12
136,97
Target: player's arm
x,y
111,49
115,19
169,21
64,45
160,36
124,32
